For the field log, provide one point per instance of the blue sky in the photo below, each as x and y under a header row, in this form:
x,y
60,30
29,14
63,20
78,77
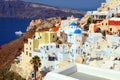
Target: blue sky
x,y
73,4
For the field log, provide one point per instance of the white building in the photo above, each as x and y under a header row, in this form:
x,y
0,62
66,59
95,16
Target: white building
x,y
113,41
50,55
65,24
72,33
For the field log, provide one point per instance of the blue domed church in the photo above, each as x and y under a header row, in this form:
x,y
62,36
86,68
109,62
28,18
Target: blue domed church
x,y
73,32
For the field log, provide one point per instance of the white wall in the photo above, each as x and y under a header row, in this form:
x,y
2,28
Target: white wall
x,y
54,76
105,73
63,73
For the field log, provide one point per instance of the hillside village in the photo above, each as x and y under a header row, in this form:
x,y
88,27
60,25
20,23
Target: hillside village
x,y
94,40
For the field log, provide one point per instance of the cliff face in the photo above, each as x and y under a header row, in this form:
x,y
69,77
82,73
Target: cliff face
x,y
10,51
17,8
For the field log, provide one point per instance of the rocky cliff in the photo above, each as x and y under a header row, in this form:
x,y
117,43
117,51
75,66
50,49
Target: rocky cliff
x,y
18,8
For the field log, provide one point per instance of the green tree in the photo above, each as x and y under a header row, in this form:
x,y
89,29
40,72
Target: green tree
x,y
89,21
104,34
13,76
36,64
4,72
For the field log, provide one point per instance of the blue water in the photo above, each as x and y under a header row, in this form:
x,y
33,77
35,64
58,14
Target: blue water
x,y
8,27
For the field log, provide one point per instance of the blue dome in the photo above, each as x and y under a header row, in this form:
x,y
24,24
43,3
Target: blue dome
x,y
73,24
69,34
77,31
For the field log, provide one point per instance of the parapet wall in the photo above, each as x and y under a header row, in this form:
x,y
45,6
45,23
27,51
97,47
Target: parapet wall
x,y
99,72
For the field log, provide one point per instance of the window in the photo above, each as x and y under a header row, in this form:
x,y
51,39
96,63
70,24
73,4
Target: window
x,y
30,54
106,24
40,37
112,15
26,52
86,45
51,58
41,47
42,57
30,43
51,46
47,48
110,29
102,24
53,36
72,50
76,51
57,46
84,52
81,50
96,16
33,75
34,36
30,48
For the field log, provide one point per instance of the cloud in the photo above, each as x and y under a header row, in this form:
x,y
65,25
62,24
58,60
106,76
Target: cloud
x,y
19,33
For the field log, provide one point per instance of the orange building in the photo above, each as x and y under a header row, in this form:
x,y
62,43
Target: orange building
x,y
114,25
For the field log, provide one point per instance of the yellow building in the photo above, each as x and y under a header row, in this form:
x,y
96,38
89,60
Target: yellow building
x,y
39,38
46,37
32,45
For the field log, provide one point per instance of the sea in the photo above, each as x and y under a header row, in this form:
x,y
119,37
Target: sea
x,y
12,28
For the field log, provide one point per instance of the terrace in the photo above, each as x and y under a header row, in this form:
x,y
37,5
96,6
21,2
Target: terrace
x,y
82,72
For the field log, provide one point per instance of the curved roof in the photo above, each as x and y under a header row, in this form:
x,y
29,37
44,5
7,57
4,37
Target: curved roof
x,y
73,24
69,34
77,31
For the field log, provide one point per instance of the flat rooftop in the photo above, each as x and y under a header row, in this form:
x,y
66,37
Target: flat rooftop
x,y
83,76
82,72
